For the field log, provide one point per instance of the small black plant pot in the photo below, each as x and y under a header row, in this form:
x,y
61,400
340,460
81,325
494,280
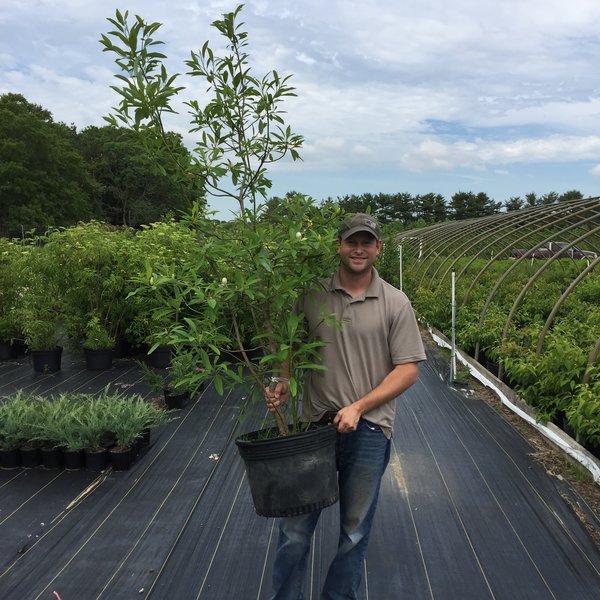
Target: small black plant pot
x,y
96,460
121,459
7,351
73,459
10,458
51,457
144,439
98,359
160,358
176,400
46,361
291,475
30,456
122,348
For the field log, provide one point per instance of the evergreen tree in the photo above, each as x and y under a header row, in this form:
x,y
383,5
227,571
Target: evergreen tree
x,y
570,195
514,203
468,205
431,208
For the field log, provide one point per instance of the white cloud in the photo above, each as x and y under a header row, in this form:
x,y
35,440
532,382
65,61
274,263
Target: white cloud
x,y
595,171
361,150
421,86
436,154
305,58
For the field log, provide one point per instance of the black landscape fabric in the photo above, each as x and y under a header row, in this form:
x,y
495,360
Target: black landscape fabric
x,y
465,512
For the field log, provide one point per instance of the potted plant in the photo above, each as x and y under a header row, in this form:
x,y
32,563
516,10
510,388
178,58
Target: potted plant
x,y
174,381
94,424
127,419
73,443
149,416
55,416
159,250
96,272
155,378
11,282
41,310
98,345
13,414
19,416
179,387
31,415
239,287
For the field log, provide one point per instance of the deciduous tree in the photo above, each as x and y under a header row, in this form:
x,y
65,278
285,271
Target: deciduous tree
x,y
43,179
136,187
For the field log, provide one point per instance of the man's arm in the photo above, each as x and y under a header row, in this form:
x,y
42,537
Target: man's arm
x,y
398,380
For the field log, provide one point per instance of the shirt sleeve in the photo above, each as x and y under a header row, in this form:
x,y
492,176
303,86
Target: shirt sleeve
x,y
406,345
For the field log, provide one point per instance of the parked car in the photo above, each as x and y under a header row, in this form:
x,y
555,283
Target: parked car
x,y
572,252
536,253
518,252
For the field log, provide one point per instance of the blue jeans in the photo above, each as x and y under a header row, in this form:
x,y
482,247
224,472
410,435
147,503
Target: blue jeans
x,y
362,457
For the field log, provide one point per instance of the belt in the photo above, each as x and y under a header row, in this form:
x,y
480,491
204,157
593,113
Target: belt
x,y
328,416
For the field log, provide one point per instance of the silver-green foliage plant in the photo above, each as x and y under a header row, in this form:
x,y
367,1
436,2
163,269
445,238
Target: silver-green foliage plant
x,y
126,417
15,421
76,421
234,296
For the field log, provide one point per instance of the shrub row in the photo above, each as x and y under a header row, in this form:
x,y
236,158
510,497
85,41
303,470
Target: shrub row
x,y
76,421
558,382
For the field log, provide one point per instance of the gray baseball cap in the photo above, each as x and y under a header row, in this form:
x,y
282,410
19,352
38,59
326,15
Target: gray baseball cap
x,y
359,222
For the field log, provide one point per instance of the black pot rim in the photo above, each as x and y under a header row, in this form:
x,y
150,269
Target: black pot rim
x,y
257,445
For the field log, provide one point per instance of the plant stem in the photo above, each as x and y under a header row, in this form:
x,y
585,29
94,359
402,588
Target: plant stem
x,y
279,420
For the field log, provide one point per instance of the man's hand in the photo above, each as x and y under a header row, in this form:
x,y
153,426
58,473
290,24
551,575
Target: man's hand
x,y
347,419
276,394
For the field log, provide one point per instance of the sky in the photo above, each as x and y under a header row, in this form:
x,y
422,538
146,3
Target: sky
x,y
412,96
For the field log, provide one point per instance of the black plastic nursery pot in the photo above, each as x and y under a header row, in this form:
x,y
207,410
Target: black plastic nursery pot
x,y
176,400
46,361
73,460
121,459
51,457
98,359
96,459
30,456
10,458
122,348
7,351
160,358
291,475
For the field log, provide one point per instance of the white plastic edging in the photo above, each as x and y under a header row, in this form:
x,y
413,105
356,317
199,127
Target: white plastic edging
x,y
565,445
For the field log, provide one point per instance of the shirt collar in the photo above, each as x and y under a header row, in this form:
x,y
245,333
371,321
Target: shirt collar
x,y
372,291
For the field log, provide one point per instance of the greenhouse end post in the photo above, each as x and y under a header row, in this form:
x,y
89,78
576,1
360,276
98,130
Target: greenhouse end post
x,y
400,264
453,347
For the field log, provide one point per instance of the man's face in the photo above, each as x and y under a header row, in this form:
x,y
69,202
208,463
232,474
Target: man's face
x,y
358,252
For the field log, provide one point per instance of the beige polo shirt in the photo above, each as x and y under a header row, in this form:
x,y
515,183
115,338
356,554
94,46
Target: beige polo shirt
x,y
367,336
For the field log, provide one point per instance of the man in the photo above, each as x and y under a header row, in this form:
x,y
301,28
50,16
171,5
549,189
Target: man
x,y
371,356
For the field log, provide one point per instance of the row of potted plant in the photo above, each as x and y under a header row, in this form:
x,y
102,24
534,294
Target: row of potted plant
x,y
80,286
72,429
556,381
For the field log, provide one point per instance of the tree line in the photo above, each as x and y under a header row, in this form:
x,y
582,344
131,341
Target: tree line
x,y
52,175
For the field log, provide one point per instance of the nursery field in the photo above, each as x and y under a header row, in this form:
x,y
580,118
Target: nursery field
x,y
466,511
